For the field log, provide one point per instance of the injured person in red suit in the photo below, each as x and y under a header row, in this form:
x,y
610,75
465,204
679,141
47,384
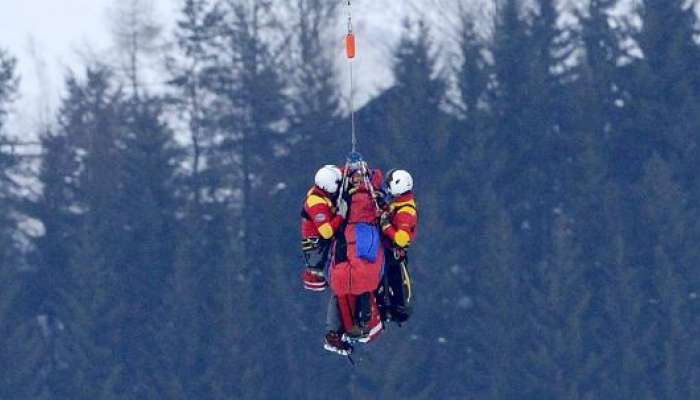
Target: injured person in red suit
x,y
356,266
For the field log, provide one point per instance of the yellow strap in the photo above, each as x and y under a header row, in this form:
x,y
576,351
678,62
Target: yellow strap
x,y
315,199
404,205
400,204
406,281
326,231
402,238
407,210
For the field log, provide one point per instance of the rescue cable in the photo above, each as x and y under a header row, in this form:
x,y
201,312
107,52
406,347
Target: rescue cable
x,y
355,157
350,53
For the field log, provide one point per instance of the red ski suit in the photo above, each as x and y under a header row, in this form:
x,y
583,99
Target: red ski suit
x,y
358,275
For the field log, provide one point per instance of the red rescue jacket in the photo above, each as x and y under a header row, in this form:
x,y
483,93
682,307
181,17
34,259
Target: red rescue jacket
x,y
363,208
404,220
318,216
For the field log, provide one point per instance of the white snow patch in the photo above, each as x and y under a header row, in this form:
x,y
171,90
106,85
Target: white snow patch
x,y
465,302
43,321
280,186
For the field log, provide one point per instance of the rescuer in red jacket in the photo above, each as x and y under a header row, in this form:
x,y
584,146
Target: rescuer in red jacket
x,y
400,220
399,224
322,215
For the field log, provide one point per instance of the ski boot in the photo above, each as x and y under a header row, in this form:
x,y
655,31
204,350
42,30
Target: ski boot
x,y
334,342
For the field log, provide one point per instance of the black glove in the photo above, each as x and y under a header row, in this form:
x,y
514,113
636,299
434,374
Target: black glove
x,y
385,220
379,196
353,189
308,244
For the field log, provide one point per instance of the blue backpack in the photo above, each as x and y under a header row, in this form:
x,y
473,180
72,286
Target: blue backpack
x,y
368,243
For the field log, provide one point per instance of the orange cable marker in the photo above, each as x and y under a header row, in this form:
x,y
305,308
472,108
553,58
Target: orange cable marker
x,y
350,45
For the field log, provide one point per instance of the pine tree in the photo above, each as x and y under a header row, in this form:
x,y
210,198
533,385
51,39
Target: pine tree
x,y
599,70
249,92
25,359
561,365
49,284
473,71
136,35
663,208
8,163
55,208
21,349
598,186
149,208
203,237
665,87
499,326
471,158
250,104
313,138
623,332
196,35
511,72
413,121
530,111
598,92
410,129
83,244
315,100
462,219
8,83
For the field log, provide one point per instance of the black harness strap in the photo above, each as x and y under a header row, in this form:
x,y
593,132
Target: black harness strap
x,y
305,215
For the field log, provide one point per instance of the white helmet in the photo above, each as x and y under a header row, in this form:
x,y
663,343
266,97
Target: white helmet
x,y
328,178
398,182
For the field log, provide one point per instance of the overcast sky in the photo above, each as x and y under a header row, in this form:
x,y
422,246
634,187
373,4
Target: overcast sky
x,y
50,36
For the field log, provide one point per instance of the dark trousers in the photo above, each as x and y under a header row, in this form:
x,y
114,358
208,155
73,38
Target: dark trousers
x,y
316,252
395,294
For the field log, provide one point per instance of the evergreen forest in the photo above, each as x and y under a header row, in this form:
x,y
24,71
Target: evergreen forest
x,y
149,236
